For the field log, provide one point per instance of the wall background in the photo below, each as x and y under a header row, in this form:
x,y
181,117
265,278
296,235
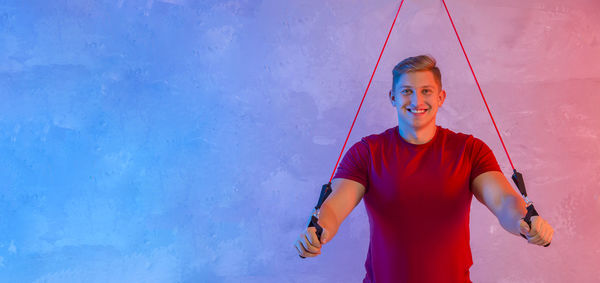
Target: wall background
x,y
187,141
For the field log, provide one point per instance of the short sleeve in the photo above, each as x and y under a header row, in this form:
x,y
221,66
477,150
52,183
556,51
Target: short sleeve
x,y
482,159
355,164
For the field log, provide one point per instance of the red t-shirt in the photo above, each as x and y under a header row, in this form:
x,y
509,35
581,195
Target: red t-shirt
x,y
418,199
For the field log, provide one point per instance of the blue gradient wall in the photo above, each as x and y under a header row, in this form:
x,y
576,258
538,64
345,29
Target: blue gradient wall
x,y
186,141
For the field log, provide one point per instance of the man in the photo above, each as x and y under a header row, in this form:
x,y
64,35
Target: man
x,y
417,180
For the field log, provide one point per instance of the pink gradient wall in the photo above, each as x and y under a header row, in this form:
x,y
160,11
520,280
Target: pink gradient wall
x,y
538,63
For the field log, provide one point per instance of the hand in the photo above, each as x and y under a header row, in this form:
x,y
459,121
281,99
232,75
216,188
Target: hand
x,y
540,233
308,244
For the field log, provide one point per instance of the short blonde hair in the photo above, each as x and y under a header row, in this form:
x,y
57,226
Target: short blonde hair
x,y
414,64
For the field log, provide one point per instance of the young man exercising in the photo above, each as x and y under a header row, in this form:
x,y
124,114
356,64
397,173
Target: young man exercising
x,y
417,180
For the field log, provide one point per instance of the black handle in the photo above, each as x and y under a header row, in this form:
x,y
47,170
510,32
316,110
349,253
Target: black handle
x,y
325,192
313,223
530,213
518,179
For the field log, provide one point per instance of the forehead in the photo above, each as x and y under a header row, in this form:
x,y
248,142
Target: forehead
x,y
417,79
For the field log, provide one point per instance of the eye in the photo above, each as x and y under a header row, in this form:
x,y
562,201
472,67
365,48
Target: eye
x,y
427,91
406,91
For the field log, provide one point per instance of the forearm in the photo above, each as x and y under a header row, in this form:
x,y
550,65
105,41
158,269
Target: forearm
x,y
328,219
512,210
345,196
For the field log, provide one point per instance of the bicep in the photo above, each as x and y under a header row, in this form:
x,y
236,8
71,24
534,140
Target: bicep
x,y
491,189
345,196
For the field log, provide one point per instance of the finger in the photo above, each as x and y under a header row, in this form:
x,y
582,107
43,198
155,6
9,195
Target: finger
x,y
533,219
533,232
537,240
541,242
531,239
303,251
545,231
534,237
524,227
311,235
537,232
299,251
324,237
551,235
308,246
540,224
540,238
548,235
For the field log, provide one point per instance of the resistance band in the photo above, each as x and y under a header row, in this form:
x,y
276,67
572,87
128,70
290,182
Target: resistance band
x,y
326,189
516,177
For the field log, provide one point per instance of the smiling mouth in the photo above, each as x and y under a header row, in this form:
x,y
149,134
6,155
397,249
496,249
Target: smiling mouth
x,y
417,111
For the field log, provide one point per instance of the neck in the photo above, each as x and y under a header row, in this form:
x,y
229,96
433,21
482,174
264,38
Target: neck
x,y
417,135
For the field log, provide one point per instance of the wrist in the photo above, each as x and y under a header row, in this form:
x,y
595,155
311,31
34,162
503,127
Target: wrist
x,y
328,219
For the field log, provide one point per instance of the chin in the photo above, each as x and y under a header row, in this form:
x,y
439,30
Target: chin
x,y
420,124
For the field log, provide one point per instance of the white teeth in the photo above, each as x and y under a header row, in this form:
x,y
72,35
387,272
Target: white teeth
x,y
416,111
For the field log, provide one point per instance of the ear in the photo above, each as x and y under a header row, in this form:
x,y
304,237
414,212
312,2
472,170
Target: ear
x,y
442,97
392,98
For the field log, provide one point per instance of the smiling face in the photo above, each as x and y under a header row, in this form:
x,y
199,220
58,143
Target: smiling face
x,y
417,97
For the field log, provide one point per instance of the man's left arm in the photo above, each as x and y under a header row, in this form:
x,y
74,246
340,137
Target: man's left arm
x,y
495,192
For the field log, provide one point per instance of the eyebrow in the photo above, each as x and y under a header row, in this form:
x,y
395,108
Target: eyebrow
x,y
422,86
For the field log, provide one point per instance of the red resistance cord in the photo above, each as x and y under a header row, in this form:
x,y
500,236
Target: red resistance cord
x,y
366,90
478,87
375,69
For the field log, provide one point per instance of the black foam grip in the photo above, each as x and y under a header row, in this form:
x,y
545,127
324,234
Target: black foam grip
x,y
530,213
325,191
313,223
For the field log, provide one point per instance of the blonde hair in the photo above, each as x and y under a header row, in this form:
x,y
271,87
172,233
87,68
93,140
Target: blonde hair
x,y
414,64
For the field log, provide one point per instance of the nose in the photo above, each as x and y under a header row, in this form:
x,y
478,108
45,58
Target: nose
x,y
417,98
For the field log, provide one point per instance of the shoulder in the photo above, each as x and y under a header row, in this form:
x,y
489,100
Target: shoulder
x,y
456,137
468,144
373,143
380,138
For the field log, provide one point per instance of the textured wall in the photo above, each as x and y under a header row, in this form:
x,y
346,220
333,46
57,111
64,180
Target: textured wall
x,y
186,141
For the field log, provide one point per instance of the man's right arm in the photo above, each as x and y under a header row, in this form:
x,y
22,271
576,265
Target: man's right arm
x,y
345,195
